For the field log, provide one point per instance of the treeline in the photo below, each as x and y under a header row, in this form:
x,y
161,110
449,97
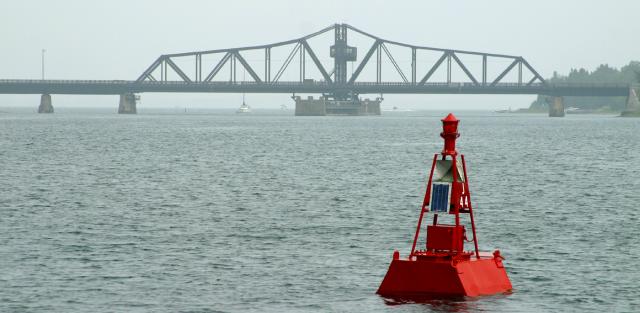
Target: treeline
x,y
629,73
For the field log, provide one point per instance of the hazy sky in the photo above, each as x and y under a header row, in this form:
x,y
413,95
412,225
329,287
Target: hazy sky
x,y
118,39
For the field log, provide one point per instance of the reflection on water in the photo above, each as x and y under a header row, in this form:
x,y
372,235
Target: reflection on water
x,y
440,303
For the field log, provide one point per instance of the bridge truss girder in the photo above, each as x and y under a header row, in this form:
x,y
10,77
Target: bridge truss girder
x,y
300,48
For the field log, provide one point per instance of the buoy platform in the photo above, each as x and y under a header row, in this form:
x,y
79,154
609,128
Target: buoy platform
x,y
443,276
444,268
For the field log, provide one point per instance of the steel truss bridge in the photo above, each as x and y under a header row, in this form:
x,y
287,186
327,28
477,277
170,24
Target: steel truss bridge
x,y
386,67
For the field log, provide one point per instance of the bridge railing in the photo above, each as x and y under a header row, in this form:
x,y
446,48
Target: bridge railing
x,y
326,84
114,87
589,85
64,81
307,83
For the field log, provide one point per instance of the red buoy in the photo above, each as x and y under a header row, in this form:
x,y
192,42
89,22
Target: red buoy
x,y
444,268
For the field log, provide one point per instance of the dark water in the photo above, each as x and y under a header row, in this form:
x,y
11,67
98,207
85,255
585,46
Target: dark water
x,y
271,213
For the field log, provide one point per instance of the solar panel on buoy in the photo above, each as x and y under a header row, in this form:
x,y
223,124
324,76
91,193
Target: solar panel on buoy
x,y
440,196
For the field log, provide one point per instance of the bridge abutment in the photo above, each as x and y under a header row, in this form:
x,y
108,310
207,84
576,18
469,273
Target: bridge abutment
x,y
128,103
556,106
45,104
633,105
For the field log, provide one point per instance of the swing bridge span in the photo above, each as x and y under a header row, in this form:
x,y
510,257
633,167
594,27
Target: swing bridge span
x,y
408,69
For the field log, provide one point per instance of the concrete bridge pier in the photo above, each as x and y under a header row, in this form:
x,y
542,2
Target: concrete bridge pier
x,y
556,106
633,105
45,104
128,103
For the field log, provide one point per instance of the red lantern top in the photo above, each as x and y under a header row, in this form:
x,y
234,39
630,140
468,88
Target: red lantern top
x,y
450,133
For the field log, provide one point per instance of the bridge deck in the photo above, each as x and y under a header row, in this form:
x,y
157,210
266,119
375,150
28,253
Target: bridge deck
x,y
114,87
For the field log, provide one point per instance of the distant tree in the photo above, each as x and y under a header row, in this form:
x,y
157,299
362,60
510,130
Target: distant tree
x,y
629,72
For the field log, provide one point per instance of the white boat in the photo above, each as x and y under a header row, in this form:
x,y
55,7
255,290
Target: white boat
x,y
244,108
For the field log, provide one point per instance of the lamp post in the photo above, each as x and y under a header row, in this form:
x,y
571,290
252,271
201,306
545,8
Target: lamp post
x,y
43,51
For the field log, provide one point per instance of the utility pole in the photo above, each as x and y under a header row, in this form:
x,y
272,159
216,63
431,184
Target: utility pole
x,y
43,51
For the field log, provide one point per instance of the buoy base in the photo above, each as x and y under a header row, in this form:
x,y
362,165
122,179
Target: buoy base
x,y
442,275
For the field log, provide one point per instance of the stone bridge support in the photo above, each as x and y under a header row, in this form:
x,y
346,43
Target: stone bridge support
x,y
45,104
633,105
128,103
556,106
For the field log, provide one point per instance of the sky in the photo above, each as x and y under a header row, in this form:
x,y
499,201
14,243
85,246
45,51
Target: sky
x,y
119,39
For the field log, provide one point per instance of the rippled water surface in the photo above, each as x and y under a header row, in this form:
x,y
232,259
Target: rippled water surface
x,y
273,213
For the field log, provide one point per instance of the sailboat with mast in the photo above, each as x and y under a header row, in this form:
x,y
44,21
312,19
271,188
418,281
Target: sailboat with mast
x,y
244,108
